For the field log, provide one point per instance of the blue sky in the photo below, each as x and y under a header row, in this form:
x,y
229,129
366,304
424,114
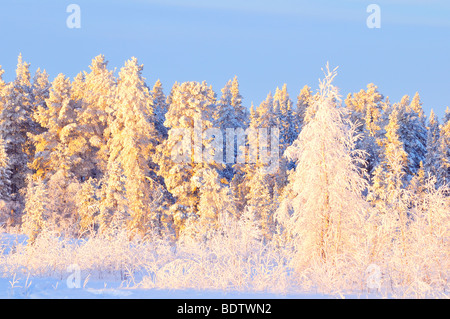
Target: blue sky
x,y
265,43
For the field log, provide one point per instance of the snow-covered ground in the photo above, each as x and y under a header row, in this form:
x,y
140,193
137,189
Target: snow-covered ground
x,y
51,288
18,284
57,268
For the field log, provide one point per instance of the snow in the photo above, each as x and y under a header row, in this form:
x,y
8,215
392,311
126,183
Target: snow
x,y
20,285
52,288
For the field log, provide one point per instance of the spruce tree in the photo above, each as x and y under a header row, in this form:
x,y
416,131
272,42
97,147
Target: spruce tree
x,y
15,123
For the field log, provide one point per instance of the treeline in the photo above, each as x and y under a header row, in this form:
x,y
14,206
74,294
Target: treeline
x,y
98,153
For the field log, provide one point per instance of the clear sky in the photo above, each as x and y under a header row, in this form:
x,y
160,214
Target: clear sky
x,y
265,43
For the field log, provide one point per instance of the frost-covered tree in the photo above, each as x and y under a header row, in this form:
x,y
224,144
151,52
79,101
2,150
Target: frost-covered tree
x,y
260,202
15,123
62,187
40,91
431,165
87,207
2,82
5,185
95,98
412,132
286,117
180,156
416,107
258,149
325,201
304,100
36,209
112,199
444,150
215,202
132,145
60,146
387,193
160,107
390,175
5,173
230,118
366,112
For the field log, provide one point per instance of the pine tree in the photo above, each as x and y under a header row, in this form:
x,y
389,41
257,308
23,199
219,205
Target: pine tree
x,y
432,156
387,193
60,146
260,117
5,185
416,107
132,145
230,118
304,100
413,132
180,156
286,118
326,187
95,98
2,83
160,108
40,91
366,113
443,173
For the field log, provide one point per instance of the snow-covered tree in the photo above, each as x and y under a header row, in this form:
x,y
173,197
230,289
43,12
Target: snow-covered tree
x,y
230,117
304,100
132,145
260,202
180,156
5,185
5,173
262,151
15,123
2,82
444,150
412,132
36,209
112,199
40,91
60,146
286,117
160,107
431,165
325,190
215,202
366,112
95,99
87,207
387,193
